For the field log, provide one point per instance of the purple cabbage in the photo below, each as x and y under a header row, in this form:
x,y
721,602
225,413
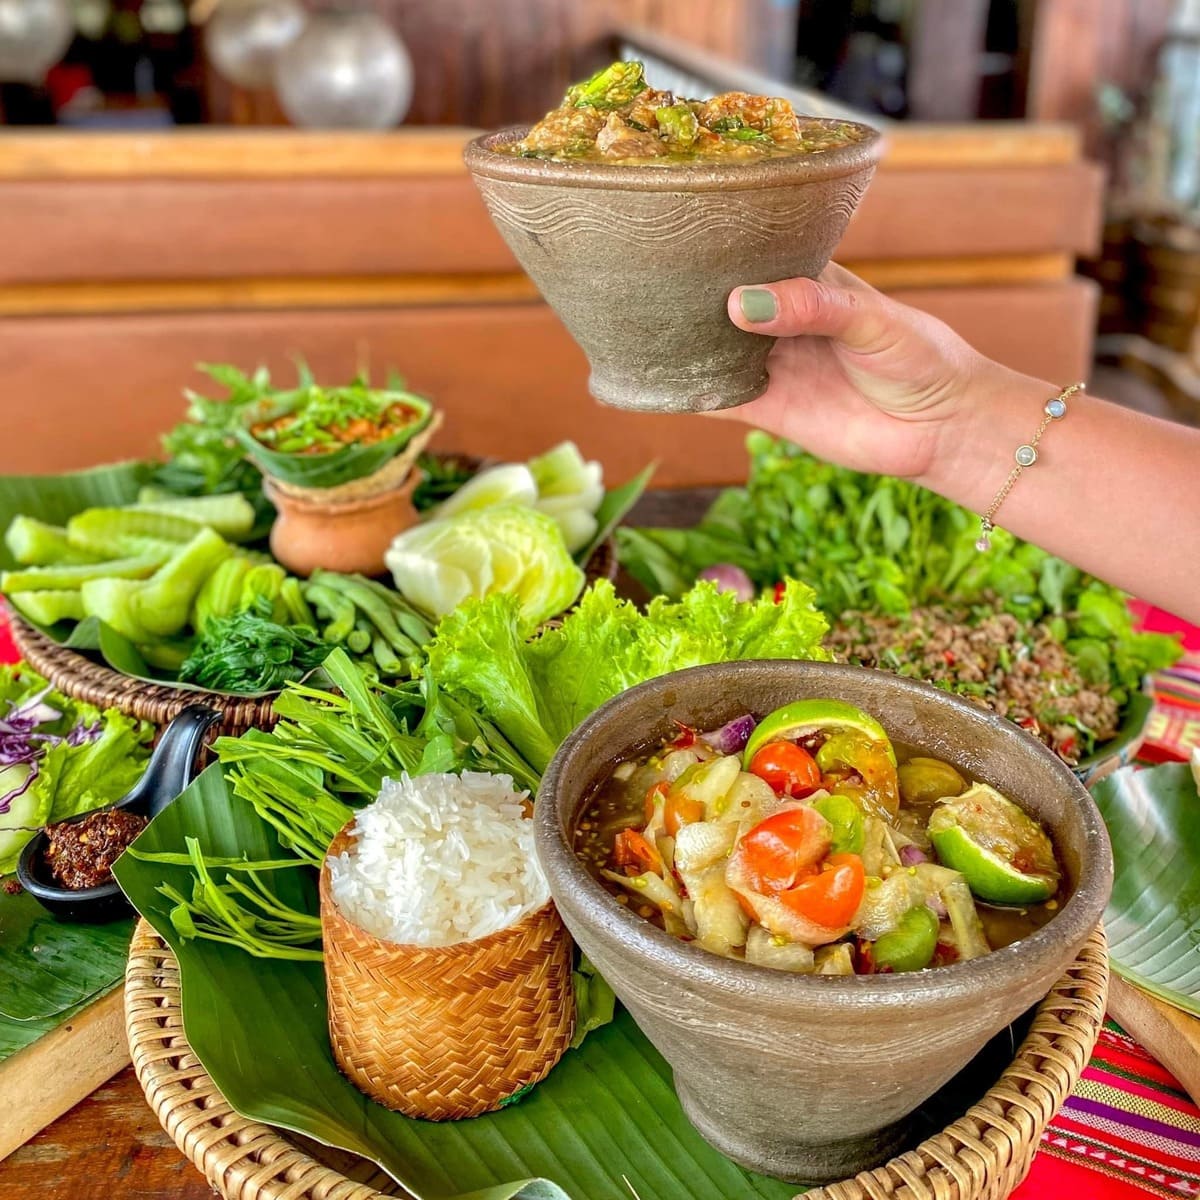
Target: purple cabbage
x,y
21,744
732,737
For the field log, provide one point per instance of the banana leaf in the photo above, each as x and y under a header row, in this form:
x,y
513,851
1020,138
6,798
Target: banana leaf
x,y
1153,919
16,1035
55,498
49,966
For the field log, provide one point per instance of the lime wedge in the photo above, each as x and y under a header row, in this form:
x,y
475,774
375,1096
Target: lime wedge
x,y
983,835
795,720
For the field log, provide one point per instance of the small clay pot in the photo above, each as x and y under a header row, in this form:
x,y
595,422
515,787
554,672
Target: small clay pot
x,y
639,261
805,1077
348,535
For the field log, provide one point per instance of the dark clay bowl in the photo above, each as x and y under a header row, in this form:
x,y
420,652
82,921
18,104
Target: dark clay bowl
x,y
804,1077
638,260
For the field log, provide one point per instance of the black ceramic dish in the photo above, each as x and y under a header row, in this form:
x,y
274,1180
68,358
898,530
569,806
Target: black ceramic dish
x,y
169,771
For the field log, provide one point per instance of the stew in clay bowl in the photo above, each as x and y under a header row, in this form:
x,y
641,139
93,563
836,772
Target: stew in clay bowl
x,y
820,890
636,212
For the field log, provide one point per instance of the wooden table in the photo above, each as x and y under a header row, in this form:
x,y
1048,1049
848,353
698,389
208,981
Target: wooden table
x,y
109,1146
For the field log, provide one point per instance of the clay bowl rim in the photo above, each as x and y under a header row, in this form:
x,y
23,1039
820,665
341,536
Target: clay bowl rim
x,y
739,980
482,158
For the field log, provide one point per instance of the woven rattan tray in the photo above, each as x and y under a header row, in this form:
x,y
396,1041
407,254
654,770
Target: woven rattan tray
x,y
983,1155
98,684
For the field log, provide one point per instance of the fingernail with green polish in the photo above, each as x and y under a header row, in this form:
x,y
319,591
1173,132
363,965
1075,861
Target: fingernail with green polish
x,y
758,305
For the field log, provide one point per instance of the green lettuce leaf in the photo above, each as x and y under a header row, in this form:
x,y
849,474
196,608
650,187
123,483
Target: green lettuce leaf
x,y
537,691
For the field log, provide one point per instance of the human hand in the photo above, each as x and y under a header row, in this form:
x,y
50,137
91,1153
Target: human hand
x,y
856,377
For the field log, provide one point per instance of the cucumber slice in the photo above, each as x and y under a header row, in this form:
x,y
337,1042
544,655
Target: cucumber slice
x,y
27,813
48,608
127,530
230,514
34,543
42,579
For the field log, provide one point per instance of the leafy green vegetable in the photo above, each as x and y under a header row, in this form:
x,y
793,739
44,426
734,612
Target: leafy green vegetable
x,y
441,477
505,549
537,691
242,909
203,456
886,546
595,1001
249,652
59,757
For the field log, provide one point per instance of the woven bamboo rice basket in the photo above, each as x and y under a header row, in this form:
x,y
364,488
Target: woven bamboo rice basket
x,y
445,1032
983,1155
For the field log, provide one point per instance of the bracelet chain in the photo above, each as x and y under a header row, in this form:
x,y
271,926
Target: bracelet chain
x,y
1026,455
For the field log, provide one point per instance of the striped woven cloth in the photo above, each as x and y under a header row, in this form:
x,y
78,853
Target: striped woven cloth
x,y
1128,1129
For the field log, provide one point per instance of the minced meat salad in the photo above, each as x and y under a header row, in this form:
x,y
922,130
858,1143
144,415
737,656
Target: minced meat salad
x,y
1016,669
616,117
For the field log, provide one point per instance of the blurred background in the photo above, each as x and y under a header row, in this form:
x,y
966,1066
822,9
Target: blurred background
x,y
256,180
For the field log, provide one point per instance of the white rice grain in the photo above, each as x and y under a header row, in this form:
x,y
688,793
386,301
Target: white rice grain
x,y
440,859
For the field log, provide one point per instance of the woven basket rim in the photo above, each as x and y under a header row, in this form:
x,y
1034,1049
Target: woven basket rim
x,y
983,1155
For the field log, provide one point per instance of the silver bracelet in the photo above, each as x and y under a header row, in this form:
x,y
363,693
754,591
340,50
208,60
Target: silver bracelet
x,y
1026,455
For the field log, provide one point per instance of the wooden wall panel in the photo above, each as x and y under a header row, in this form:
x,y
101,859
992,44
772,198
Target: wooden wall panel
x,y
151,229
82,390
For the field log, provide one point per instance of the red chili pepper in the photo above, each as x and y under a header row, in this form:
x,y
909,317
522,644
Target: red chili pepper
x,y
948,658
780,591
685,738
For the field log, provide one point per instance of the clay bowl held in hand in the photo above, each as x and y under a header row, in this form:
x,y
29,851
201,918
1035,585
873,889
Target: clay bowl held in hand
x,y
805,1077
638,260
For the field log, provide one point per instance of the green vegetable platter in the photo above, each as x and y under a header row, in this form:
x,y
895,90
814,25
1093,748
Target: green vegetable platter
x,y
896,570
159,572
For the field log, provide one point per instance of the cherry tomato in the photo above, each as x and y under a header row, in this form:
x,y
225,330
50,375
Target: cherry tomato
x,y
631,849
830,897
681,810
788,768
772,856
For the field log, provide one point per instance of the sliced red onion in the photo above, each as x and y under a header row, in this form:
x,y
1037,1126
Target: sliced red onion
x,y
937,906
729,578
732,737
910,855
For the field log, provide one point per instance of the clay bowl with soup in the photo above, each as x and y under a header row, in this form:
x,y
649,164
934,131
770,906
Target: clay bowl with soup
x,y
820,890
636,213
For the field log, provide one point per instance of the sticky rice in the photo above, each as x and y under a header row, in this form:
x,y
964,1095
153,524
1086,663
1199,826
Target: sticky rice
x,y
440,859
